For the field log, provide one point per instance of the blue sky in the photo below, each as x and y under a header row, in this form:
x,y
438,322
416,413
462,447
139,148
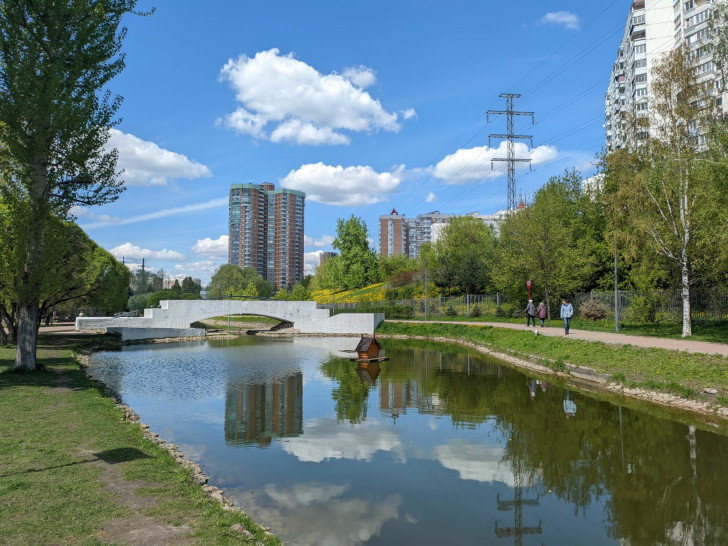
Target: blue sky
x,y
365,106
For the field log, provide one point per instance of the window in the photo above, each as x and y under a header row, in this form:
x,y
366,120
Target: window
x,y
639,78
638,19
641,63
689,5
641,92
640,48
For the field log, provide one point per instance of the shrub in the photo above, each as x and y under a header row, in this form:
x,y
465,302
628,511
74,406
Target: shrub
x,y
390,311
642,310
137,302
475,311
500,312
593,310
450,311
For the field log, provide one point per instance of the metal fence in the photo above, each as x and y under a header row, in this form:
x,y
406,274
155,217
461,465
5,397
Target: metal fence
x,y
666,305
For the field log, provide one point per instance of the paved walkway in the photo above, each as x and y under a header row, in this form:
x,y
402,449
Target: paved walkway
x,y
687,345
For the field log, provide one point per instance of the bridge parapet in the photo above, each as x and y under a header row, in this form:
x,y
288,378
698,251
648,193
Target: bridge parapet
x,y
180,314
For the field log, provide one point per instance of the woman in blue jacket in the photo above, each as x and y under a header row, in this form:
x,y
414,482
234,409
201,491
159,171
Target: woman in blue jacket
x,y
567,311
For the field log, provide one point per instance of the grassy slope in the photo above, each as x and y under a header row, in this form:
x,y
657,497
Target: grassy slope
x,y
50,496
686,374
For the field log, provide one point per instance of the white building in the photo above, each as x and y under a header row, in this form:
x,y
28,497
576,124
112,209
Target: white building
x,y
653,28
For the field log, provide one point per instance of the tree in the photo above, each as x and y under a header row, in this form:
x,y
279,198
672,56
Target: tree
x,y
190,287
176,288
230,279
549,242
673,184
56,59
463,257
357,263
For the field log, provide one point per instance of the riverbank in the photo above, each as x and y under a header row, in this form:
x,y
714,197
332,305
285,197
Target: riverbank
x,y
693,382
77,467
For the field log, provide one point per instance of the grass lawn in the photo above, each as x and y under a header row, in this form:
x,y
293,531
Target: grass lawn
x,y
58,434
685,374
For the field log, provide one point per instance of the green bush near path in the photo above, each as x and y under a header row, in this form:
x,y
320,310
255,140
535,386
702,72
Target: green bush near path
x,y
52,443
685,374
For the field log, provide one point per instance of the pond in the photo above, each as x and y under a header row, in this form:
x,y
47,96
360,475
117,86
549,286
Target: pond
x,y
437,445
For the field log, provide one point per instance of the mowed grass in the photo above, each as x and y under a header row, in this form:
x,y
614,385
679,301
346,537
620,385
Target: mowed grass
x,y
52,443
686,374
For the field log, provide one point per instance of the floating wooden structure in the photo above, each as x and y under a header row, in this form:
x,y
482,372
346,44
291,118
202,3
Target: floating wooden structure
x,y
368,350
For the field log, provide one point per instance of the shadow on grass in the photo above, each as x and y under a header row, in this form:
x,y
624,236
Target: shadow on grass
x,y
110,456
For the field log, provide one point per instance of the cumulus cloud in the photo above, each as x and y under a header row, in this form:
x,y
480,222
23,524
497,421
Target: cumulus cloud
x,y
283,99
409,113
311,261
361,76
564,18
474,164
430,197
349,520
477,462
133,252
324,240
345,186
326,439
146,164
213,248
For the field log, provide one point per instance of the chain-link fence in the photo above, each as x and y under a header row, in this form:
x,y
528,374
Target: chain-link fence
x,y
660,305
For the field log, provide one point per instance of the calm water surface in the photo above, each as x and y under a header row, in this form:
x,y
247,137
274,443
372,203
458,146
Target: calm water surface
x,y
434,446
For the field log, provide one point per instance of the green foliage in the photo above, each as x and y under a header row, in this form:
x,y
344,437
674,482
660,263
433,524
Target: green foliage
x,y
281,295
399,312
450,311
190,287
555,241
475,311
593,309
461,260
152,300
229,280
137,302
357,265
299,293
176,287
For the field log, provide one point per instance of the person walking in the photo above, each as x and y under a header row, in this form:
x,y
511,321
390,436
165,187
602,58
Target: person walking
x,y
541,313
530,313
567,311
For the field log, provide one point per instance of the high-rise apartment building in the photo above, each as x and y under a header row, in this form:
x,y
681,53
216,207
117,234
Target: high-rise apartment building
x,y
266,231
653,28
399,235
392,234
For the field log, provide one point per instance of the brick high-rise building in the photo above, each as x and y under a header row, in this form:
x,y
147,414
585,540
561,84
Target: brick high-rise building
x,y
392,234
266,231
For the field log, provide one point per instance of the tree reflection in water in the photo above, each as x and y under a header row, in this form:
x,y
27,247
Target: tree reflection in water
x,y
662,481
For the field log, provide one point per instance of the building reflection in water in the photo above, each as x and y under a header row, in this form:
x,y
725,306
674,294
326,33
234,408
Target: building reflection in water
x,y
256,413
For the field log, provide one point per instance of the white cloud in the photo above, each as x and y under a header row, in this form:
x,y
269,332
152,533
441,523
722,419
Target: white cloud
x,y
350,521
345,186
214,248
474,164
327,439
430,197
222,201
361,76
146,164
324,240
133,252
298,104
409,113
565,18
311,261
478,462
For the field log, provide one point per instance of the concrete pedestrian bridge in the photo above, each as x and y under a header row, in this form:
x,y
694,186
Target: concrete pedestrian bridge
x,y
174,317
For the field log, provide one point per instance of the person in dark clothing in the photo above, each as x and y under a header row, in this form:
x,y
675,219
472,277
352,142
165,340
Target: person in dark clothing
x,y
530,313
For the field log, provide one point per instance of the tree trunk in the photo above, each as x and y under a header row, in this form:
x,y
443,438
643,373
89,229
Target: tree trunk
x,y
8,321
27,337
548,301
687,326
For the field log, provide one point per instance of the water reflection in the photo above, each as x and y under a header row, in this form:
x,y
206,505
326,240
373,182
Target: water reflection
x,y
433,446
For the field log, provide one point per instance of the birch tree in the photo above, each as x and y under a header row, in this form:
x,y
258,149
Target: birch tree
x,y
56,59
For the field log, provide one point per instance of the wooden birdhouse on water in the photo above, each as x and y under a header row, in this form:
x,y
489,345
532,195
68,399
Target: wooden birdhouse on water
x,y
368,348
